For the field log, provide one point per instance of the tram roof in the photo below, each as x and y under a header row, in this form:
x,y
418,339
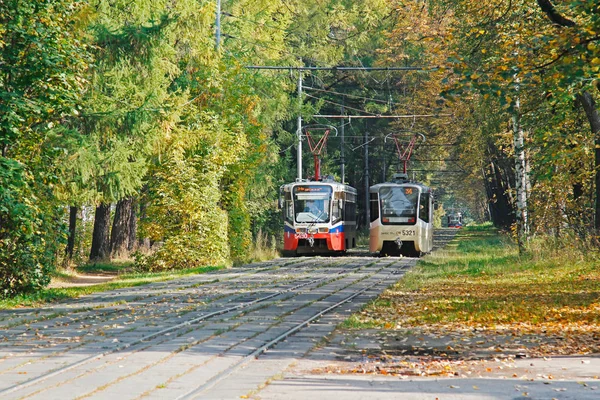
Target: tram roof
x,y
335,185
422,187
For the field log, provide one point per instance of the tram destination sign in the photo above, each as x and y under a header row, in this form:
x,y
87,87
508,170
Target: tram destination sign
x,y
313,189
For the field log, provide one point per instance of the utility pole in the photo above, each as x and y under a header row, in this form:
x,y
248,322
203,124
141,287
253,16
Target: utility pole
x,y
383,174
343,167
367,195
218,26
299,125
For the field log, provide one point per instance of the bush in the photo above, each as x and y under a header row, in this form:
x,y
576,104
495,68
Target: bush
x,y
30,231
185,217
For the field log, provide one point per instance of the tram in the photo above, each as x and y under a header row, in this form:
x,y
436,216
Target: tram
x,y
454,220
401,218
319,217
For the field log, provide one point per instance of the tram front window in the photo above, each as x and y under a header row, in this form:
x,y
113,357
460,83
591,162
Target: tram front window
x,y
399,205
312,203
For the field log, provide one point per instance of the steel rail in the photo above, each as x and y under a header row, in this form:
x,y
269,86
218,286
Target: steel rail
x,y
107,311
261,350
292,68
82,309
173,328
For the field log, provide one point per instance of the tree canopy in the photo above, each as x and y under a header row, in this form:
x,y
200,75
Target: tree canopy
x,y
133,112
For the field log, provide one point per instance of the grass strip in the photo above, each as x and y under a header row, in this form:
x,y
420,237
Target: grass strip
x,y
479,281
132,279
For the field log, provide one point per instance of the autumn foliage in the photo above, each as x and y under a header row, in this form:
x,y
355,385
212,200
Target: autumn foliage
x,y
480,286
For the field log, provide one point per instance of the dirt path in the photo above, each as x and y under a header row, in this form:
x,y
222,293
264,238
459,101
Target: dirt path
x,y
81,280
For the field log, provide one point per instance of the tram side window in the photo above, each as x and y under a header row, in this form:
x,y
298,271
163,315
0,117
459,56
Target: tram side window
x,y
374,206
350,211
424,207
337,212
288,209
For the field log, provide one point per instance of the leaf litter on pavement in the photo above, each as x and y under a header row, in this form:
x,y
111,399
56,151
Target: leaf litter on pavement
x,y
474,308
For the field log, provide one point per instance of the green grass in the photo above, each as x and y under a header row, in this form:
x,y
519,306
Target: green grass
x,y
355,322
106,267
481,280
126,280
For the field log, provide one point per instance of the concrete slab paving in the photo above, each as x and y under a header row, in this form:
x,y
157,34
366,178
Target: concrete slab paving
x,y
317,387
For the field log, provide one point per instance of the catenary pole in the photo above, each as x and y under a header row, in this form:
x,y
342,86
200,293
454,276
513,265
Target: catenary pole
x,y
299,125
367,184
343,160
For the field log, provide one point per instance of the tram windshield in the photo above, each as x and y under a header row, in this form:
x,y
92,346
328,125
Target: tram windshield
x,y
398,205
312,203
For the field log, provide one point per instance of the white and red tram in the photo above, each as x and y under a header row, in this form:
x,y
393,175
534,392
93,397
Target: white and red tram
x,y
319,217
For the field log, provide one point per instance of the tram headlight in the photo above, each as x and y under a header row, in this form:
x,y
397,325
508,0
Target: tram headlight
x,y
323,230
300,230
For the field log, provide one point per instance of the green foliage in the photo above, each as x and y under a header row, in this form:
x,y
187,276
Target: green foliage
x,y
42,65
185,198
104,267
29,233
239,235
124,110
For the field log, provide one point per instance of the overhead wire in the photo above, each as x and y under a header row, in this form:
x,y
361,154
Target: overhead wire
x,y
362,70
345,94
339,104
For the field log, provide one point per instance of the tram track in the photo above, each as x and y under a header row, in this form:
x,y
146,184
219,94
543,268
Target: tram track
x,y
98,312
90,302
169,330
259,351
100,321
176,349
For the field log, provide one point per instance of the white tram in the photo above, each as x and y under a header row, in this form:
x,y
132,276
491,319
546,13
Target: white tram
x,y
319,217
454,220
401,218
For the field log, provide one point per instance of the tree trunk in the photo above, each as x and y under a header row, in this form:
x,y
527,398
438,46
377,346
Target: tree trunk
x,y
143,242
498,188
132,242
100,239
119,237
589,106
520,182
73,210
367,200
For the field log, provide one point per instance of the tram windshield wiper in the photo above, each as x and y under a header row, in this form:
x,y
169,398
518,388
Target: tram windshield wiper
x,y
317,219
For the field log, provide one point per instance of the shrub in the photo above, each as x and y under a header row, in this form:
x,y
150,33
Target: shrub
x,y
30,231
